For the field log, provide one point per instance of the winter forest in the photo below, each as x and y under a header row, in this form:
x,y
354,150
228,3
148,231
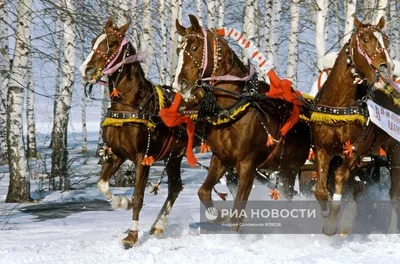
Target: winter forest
x,y
50,132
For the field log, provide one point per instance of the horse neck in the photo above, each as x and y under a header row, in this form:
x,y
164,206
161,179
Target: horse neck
x,y
231,66
339,90
132,84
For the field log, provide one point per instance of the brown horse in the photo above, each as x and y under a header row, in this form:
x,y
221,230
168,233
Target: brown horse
x,y
237,137
132,129
339,118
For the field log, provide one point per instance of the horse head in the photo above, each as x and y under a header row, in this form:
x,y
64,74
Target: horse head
x,y
106,48
368,52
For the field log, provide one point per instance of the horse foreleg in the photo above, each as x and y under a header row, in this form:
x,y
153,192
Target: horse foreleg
x,y
173,169
215,172
142,174
341,176
110,168
288,178
394,189
321,191
246,171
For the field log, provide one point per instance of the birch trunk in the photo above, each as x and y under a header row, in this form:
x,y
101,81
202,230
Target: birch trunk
x,y
337,26
249,30
293,42
348,27
147,34
163,70
19,188
199,11
221,13
176,8
30,111
211,19
84,128
274,33
369,11
134,14
393,30
60,152
268,25
381,10
4,78
320,31
58,67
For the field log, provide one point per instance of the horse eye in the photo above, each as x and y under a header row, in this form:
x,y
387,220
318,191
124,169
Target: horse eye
x,y
194,48
111,45
365,40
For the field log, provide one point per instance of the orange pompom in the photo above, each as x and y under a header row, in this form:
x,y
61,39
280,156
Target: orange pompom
x,y
147,161
311,154
204,148
115,93
270,141
275,194
348,149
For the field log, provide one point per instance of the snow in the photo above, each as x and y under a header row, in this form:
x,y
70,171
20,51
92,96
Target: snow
x,y
94,236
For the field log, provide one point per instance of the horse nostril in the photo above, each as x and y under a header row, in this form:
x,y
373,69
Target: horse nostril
x,y
383,67
183,84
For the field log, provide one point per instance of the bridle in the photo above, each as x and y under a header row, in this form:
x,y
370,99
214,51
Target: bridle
x,y
380,48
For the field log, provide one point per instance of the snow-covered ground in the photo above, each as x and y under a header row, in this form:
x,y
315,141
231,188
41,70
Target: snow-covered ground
x,y
80,227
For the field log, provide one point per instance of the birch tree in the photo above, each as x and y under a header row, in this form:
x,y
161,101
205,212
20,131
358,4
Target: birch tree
x,y
249,29
176,9
30,110
293,41
19,187
83,102
221,13
320,31
381,10
268,27
274,32
163,70
369,11
393,29
211,19
199,11
4,78
147,34
60,152
350,7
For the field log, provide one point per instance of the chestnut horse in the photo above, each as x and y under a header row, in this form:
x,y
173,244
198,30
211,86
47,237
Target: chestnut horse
x,y
239,143
340,124
132,129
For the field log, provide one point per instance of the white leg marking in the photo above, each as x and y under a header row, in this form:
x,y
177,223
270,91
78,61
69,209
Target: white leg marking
x,y
82,69
337,197
104,188
135,225
162,222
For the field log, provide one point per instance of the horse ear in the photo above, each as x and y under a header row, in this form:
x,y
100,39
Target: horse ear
x,y
180,29
124,28
109,23
357,23
381,22
195,23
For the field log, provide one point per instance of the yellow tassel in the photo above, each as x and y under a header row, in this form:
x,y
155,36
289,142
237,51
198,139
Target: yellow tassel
x,y
115,122
275,194
115,93
204,148
147,161
334,119
270,141
160,96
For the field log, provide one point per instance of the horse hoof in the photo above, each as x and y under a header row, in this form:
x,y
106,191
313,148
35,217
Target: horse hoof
x,y
343,234
325,214
156,231
130,240
328,231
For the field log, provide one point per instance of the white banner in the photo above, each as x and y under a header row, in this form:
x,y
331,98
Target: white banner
x,y
385,119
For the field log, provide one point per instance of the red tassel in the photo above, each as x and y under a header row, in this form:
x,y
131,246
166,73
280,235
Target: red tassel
x,y
270,141
147,161
115,93
222,196
204,148
274,194
382,152
311,154
348,149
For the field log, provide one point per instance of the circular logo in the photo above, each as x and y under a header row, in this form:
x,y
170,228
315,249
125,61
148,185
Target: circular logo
x,y
211,213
